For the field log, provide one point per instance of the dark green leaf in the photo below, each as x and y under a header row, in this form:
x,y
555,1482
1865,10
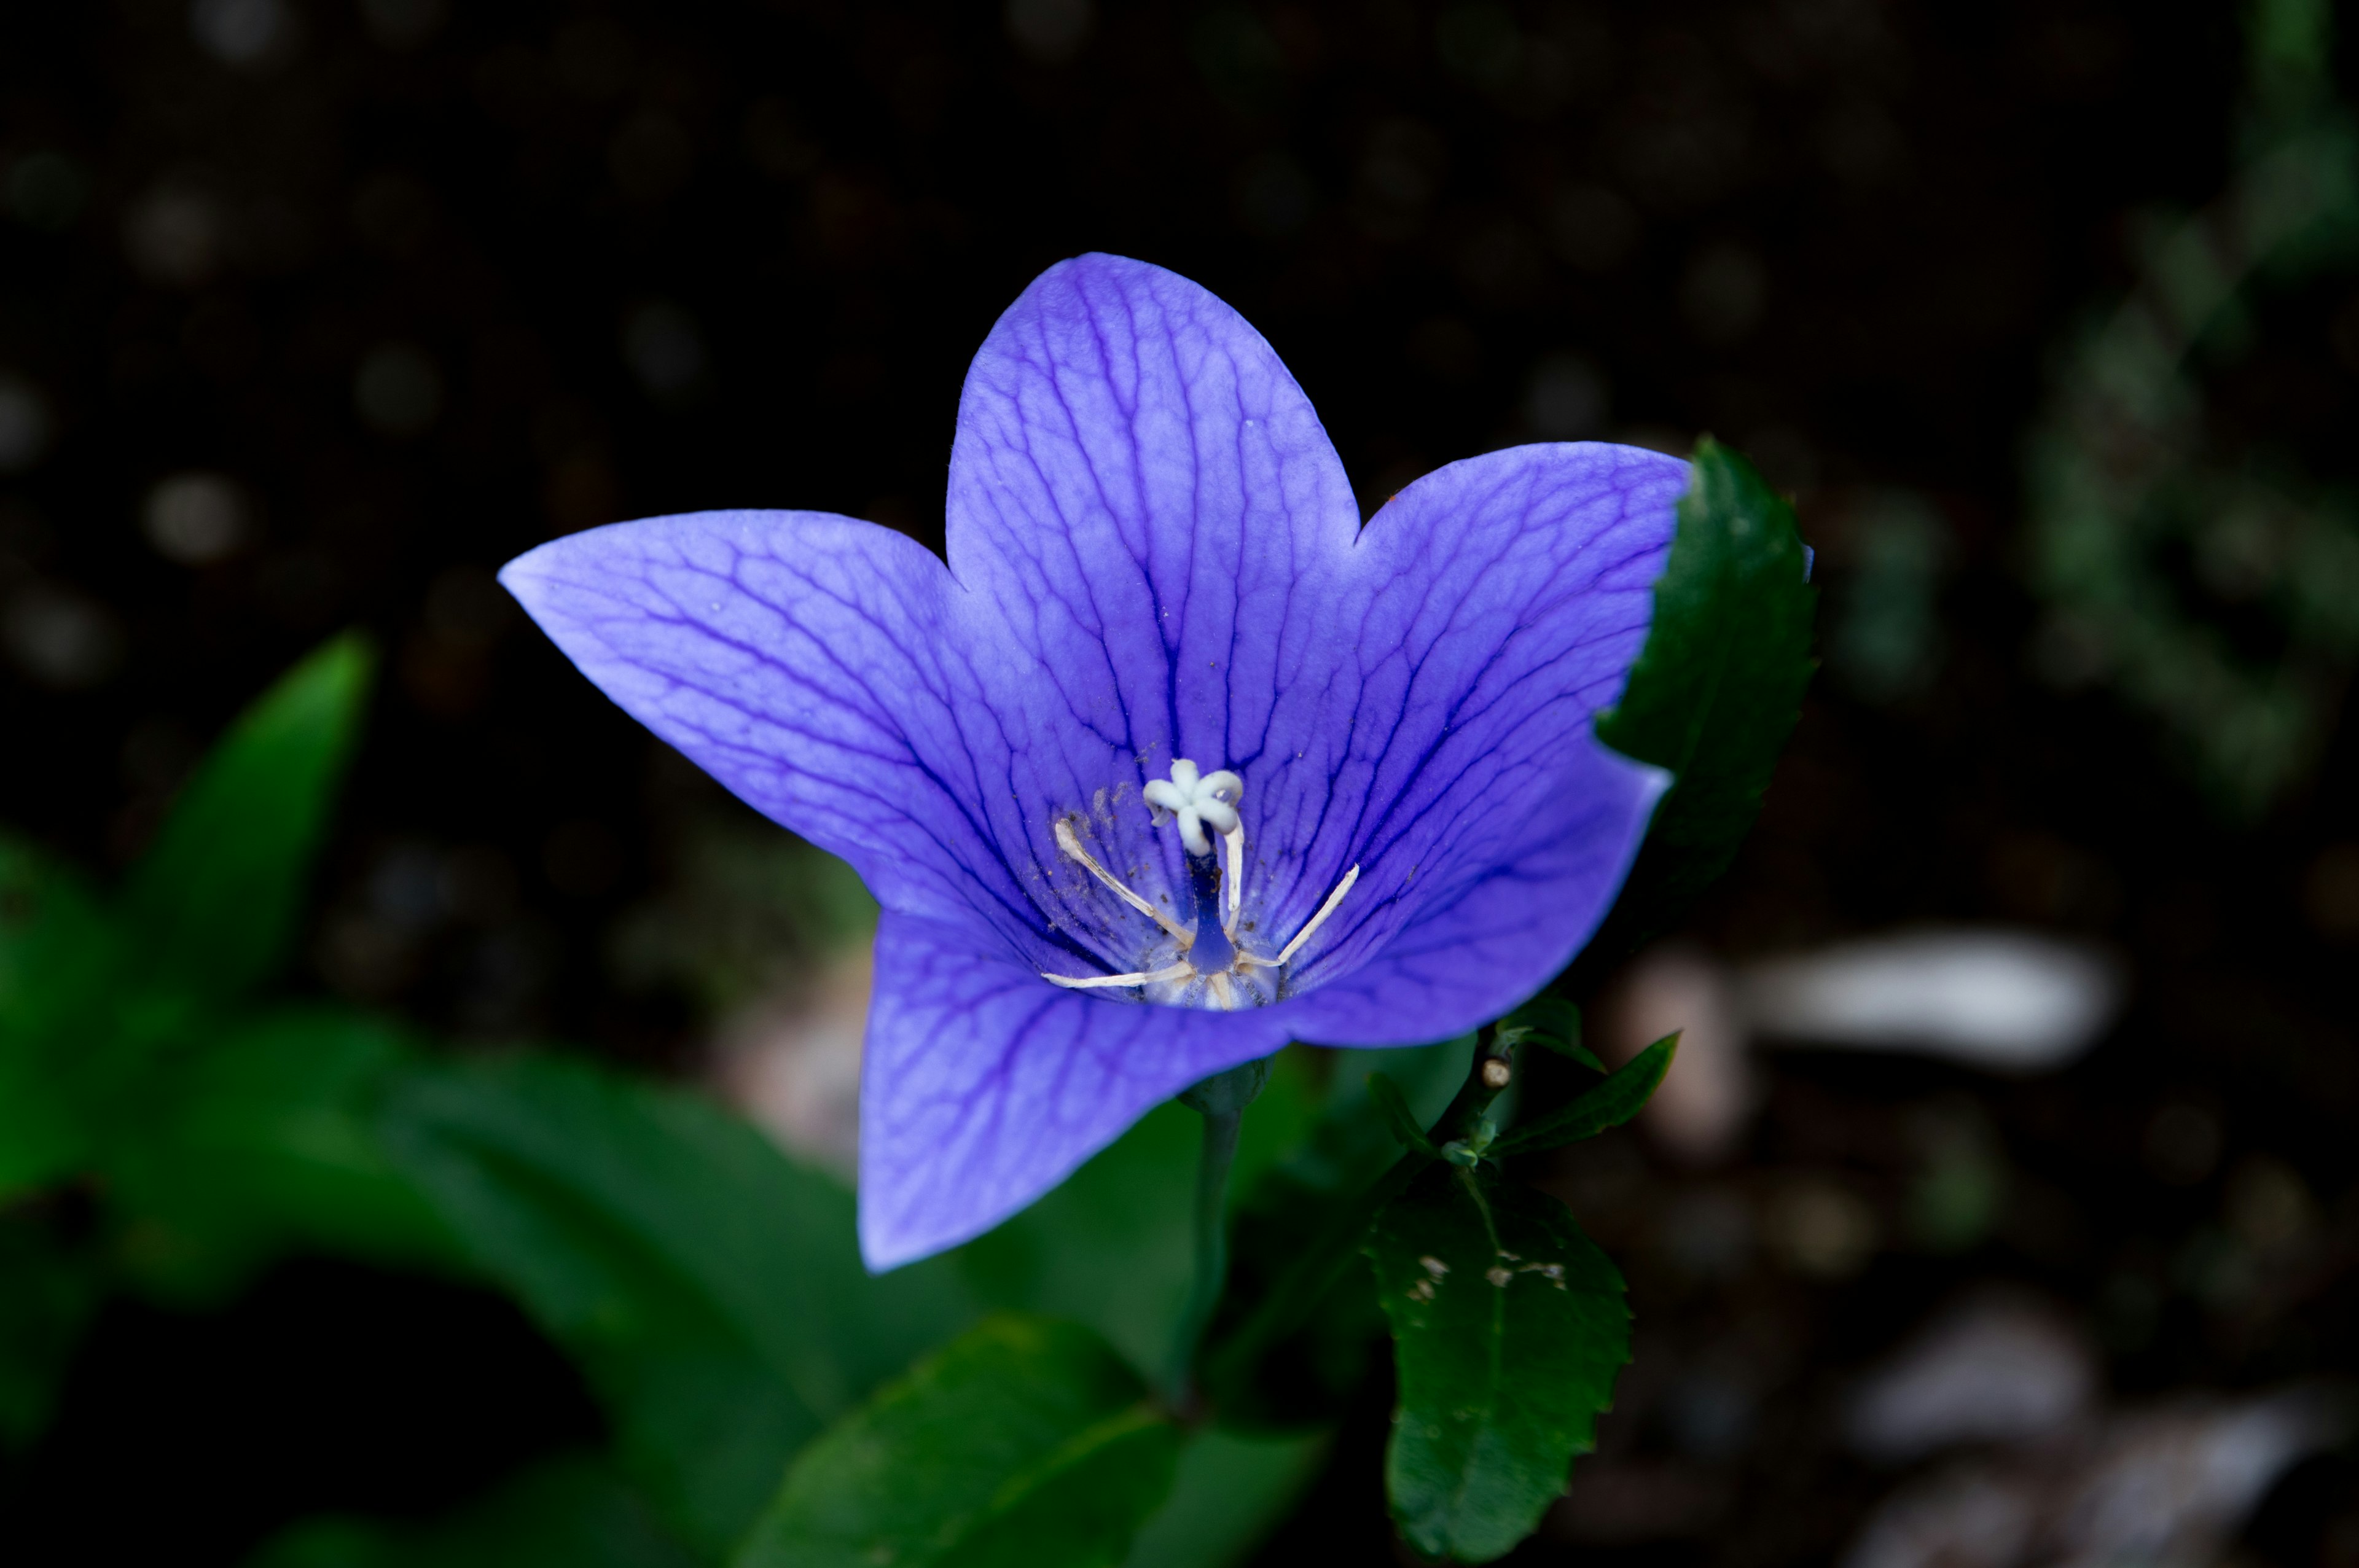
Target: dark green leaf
x,y
1229,1493
1621,1096
1717,689
57,956
262,1138
1299,1230
1114,1247
713,1290
46,1294
564,1513
1548,1021
1026,1444
1508,1327
1399,1116
213,903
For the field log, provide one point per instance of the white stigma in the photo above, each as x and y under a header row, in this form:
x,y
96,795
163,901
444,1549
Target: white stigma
x,y
1198,800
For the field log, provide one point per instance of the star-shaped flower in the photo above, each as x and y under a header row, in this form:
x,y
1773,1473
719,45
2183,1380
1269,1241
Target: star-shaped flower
x,y
1173,761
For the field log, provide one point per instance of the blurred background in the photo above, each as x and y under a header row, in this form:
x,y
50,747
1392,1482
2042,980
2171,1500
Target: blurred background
x,y
2005,1206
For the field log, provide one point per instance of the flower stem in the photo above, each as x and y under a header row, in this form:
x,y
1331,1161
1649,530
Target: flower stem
x,y
1220,1099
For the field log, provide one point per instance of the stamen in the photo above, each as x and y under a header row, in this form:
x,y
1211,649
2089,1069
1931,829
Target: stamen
x,y
1316,920
1178,971
1071,843
1235,840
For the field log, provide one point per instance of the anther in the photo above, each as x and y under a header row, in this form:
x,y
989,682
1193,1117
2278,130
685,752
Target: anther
x,y
1291,948
1071,843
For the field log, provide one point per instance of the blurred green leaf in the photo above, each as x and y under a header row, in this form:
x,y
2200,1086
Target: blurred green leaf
x,y
1621,1096
1508,1327
713,1290
212,905
573,1512
1026,1442
1113,1247
1230,1492
264,1137
1399,1116
1717,689
57,956
46,1294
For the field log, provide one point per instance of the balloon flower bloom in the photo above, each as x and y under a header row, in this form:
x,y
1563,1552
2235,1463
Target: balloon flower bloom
x,y
1172,762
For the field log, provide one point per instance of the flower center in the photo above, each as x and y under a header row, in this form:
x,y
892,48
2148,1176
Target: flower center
x,y
1210,967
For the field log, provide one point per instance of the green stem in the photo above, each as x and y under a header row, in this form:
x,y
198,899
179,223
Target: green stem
x,y
1220,1099
1211,1247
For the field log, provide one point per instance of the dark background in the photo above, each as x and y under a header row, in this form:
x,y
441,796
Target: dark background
x,y
426,285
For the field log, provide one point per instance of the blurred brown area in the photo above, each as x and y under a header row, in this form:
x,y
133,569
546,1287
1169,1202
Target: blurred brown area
x,y
312,312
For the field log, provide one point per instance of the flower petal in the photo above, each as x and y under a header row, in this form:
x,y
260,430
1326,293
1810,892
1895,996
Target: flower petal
x,y
798,659
982,1086
1464,962
1147,504
1494,607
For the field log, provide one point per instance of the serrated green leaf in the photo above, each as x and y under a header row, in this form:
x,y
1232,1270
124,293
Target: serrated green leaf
x,y
211,905
1621,1096
260,1137
1717,689
712,1289
1230,1492
1026,1444
58,953
1508,1328
572,1512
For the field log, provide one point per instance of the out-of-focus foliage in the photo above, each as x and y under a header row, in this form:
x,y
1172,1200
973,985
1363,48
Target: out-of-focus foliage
x,y
2163,550
1027,1442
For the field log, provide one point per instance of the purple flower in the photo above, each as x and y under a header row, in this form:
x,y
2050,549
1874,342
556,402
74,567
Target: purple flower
x,y
1173,763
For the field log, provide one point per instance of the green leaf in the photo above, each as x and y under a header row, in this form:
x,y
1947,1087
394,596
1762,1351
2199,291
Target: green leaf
x,y
1717,689
1621,1096
713,1290
1398,1115
1508,1327
262,1138
46,1294
572,1512
57,956
1026,1442
213,903
1114,1247
1230,1491
1548,1021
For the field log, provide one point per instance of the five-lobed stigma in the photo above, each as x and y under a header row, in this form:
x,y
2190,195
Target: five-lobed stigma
x,y
1209,967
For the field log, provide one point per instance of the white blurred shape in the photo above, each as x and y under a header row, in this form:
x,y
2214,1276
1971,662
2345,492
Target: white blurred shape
x,y
197,518
1051,32
791,1062
397,389
176,234
1701,1109
1997,1372
664,349
2007,1001
24,423
59,638
2164,1486
1566,399
240,32
402,24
